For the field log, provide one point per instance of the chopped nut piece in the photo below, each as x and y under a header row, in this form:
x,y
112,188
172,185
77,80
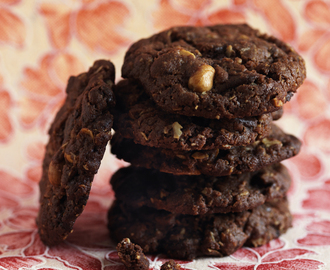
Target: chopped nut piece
x,y
132,255
68,157
177,130
54,173
277,103
229,49
199,155
181,156
170,265
269,143
87,131
186,53
85,167
144,136
202,80
245,193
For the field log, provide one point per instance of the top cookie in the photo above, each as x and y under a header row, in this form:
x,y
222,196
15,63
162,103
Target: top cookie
x,y
221,71
78,137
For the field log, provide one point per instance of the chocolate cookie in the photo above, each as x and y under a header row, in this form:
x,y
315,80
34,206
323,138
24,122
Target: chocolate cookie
x,y
139,119
187,237
221,71
196,195
275,148
78,137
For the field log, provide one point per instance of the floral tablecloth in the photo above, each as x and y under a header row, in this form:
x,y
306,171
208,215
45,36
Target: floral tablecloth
x,y
43,42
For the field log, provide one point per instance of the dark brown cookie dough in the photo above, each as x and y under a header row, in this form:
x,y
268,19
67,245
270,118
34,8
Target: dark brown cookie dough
x,y
132,255
187,237
196,195
275,148
220,71
78,137
139,119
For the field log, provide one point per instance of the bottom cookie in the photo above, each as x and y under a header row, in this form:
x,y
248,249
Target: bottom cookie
x,y
188,237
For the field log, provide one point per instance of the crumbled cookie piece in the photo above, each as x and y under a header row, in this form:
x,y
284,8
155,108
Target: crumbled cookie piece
x,y
170,265
132,255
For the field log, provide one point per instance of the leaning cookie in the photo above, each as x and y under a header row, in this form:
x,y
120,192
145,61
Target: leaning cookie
x,y
196,195
275,148
78,137
187,237
220,71
138,118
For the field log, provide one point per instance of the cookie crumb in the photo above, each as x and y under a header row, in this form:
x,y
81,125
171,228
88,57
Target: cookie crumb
x,y
132,255
170,265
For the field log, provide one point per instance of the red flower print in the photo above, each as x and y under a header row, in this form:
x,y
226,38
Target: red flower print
x,y
279,18
57,18
318,198
10,2
19,262
309,101
72,257
16,186
318,12
308,164
318,234
16,240
25,238
166,16
183,12
226,16
8,202
34,173
99,28
35,152
12,28
318,135
321,56
270,256
22,218
45,87
6,128
96,26
239,2
308,38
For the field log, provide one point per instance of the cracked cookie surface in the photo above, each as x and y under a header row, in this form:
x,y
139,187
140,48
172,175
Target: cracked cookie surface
x,y
220,71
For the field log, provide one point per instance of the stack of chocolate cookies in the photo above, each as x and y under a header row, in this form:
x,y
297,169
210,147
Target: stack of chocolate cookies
x,y
194,117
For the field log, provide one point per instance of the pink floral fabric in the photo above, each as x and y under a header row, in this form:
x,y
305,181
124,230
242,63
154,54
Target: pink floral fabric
x,y
43,42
